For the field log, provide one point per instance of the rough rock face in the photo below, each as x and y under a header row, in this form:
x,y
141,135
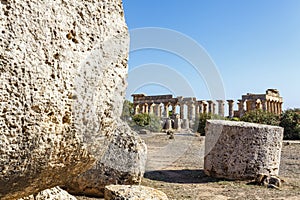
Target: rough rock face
x,y
123,162
55,193
241,150
130,192
63,66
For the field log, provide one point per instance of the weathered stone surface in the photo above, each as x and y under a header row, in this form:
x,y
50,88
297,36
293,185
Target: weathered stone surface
x,y
55,193
144,131
241,150
63,66
123,162
130,192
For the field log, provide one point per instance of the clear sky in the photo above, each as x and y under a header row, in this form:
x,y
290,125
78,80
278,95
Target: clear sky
x,y
255,44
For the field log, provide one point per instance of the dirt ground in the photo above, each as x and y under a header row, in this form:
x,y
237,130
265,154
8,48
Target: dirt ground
x,y
184,177
175,166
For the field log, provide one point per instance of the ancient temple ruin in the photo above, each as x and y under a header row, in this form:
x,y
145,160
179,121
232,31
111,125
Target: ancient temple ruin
x,y
184,110
188,108
160,104
270,101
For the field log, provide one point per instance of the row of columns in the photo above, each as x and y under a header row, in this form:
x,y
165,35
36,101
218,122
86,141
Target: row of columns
x,y
265,105
193,108
155,109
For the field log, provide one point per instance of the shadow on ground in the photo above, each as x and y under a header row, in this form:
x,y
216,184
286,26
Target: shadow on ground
x,y
180,176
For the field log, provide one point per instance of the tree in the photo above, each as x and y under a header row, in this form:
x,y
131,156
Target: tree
x,y
200,122
141,119
290,121
145,121
128,111
261,117
155,124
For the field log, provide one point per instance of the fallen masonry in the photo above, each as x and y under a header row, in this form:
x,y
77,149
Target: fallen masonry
x,y
241,150
128,192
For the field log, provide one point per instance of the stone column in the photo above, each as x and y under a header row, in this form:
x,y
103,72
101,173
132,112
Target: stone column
x,y
188,111
166,109
200,104
258,104
204,106
173,109
280,107
248,105
191,109
210,106
177,123
241,107
136,108
268,105
159,110
214,108
253,104
181,112
197,106
271,107
155,110
230,108
185,124
264,105
146,108
221,107
275,107
142,106
151,108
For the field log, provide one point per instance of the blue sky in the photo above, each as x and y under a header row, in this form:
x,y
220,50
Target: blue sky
x,y
254,44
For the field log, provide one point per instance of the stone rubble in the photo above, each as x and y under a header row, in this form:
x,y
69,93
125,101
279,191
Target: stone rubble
x,y
123,162
130,192
55,193
268,181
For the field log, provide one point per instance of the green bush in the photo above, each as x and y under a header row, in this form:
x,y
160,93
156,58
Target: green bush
x,y
155,124
200,122
235,119
145,121
142,119
290,121
261,117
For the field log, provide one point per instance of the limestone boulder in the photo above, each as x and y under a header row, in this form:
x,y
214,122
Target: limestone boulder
x,y
241,150
123,162
63,66
55,193
130,192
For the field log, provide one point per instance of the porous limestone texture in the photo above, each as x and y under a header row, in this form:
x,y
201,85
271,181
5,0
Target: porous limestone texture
x,y
133,192
123,162
55,193
241,150
63,66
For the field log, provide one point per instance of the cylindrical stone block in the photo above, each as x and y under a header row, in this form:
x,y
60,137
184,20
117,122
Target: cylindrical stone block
x,y
241,150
